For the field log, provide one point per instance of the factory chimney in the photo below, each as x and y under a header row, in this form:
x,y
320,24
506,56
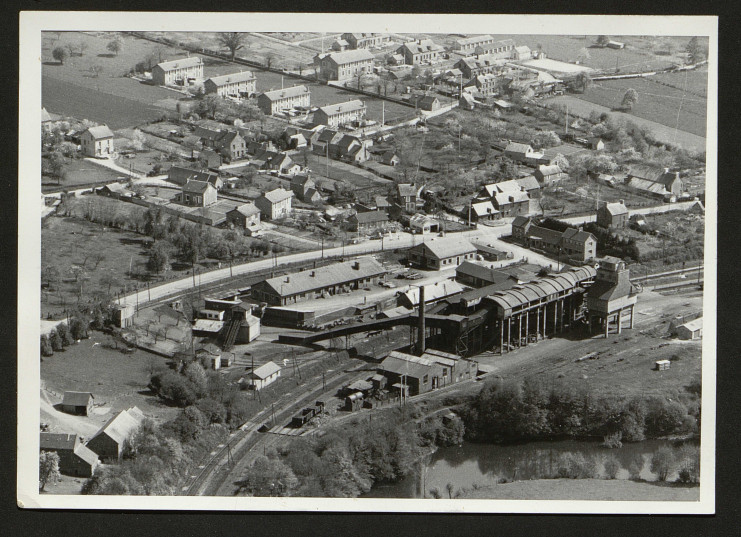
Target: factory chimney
x,y
421,328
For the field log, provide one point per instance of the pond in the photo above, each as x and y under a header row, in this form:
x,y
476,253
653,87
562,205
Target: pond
x,y
472,465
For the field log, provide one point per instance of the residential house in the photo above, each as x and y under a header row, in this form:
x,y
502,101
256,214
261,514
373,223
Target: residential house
x,y
209,158
520,228
272,102
613,215
262,376
315,283
486,84
575,244
301,185
352,148
408,195
343,66
245,216
365,40
429,103
550,174
479,65
595,143
401,74
46,121
326,143
275,204
368,222
579,245
530,185
178,72
79,403
421,51
198,194
438,254
467,101
519,152
231,145
655,180
338,114
381,203
240,84
339,45
180,176
395,59
75,459
114,190
483,210
512,203
109,442
279,162
97,142
208,135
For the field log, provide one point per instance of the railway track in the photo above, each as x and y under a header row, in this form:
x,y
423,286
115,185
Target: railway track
x,y
246,438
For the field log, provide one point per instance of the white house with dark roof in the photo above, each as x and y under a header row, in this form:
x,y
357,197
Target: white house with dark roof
x,y
441,253
339,66
550,174
275,204
97,142
178,71
338,114
239,84
272,102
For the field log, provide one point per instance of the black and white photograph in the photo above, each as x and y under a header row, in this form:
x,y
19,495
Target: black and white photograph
x,y
440,263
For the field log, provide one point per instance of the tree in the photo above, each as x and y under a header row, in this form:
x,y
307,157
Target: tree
x,y
695,51
583,55
159,257
602,40
96,70
612,467
582,81
60,54
46,349
81,48
48,469
269,59
630,99
268,477
53,166
233,41
109,280
115,46
55,341
662,463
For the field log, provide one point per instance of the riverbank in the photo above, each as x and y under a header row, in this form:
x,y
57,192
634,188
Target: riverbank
x,y
585,489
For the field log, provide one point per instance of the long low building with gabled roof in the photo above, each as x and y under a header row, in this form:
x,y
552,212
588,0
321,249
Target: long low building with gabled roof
x,y
315,283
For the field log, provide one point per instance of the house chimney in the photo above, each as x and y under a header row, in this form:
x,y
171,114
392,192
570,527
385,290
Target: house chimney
x,y
421,328
666,170
622,202
288,279
313,273
356,265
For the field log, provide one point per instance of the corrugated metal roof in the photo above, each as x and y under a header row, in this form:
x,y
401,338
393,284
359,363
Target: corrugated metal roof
x,y
208,325
522,294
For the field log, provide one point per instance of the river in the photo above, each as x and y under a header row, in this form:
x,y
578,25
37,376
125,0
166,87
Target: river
x,y
484,464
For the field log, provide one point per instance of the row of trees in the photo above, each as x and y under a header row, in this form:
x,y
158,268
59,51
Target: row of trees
x,y
82,320
508,411
62,53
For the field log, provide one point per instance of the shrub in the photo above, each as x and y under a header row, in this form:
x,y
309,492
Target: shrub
x,y
64,334
55,341
576,466
612,467
612,441
663,463
46,348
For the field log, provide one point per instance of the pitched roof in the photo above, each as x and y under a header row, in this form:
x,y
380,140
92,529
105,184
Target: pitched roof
x,y
335,274
473,40
285,93
406,364
45,116
520,221
348,106
422,46
181,175
370,217
553,169
648,185
482,272
120,426
196,187
381,201
482,208
247,209
190,61
447,247
100,132
406,189
577,235
603,290
77,398
243,76
265,370
515,147
348,56
692,325
505,198
277,195
529,182
86,454
615,209
55,441
545,234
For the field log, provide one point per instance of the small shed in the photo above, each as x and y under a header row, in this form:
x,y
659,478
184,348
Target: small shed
x,y
690,330
79,403
354,401
262,376
662,365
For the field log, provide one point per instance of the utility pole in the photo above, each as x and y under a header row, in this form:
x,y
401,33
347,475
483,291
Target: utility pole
x,y
328,160
567,119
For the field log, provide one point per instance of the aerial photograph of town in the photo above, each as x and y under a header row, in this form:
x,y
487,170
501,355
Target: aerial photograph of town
x,y
441,266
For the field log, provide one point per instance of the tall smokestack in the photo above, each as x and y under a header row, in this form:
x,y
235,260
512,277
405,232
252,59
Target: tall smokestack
x,y
421,328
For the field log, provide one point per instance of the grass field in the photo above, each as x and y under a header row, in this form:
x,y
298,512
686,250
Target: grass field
x,y
695,82
79,171
110,98
663,104
585,489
